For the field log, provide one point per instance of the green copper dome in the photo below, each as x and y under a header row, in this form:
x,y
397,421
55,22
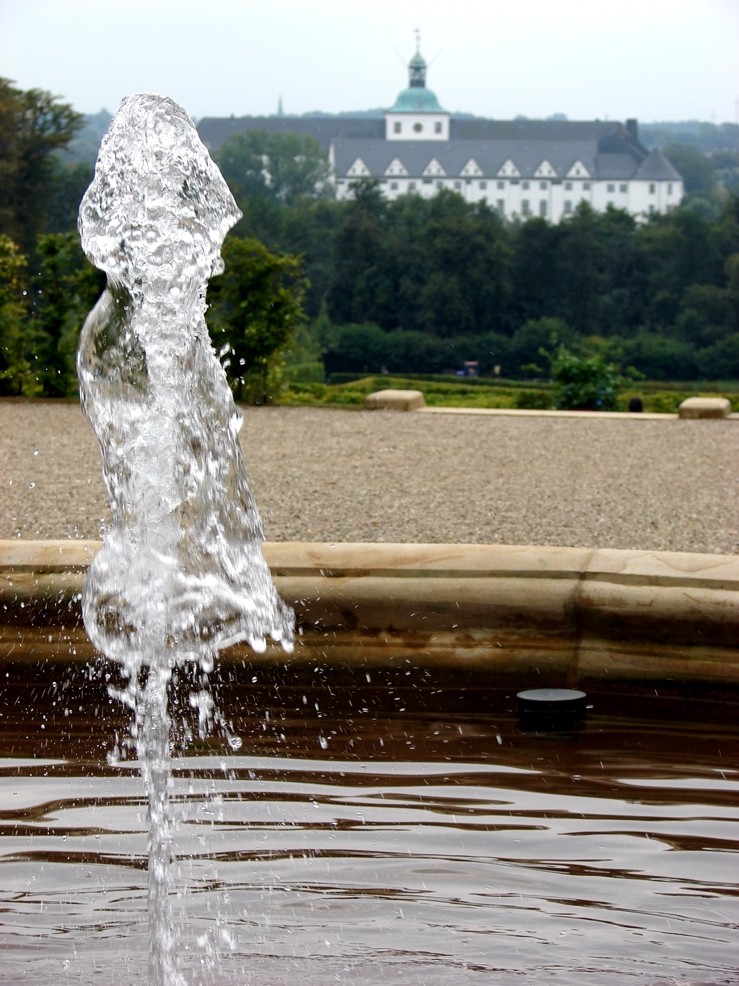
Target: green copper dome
x,y
416,100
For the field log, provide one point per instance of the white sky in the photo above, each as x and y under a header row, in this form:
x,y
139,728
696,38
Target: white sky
x,y
651,59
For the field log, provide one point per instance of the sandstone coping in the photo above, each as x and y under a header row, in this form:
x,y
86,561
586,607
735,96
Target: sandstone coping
x,y
705,407
395,400
558,615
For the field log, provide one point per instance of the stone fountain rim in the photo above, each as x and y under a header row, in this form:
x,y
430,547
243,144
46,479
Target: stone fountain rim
x,y
577,613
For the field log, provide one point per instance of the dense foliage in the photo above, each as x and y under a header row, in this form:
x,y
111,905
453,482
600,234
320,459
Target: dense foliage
x,y
47,286
371,286
426,286
33,125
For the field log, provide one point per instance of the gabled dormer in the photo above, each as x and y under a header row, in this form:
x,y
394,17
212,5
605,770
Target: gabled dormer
x,y
358,169
545,170
395,168
578,170
472,169
433,170
508,170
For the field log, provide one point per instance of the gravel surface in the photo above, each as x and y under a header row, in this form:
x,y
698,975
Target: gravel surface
x,y
337,475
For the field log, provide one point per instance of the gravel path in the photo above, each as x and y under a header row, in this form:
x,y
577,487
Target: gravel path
x,y
337,475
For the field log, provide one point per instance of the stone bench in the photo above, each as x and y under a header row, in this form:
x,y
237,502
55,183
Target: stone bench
x,y
395,400
705,407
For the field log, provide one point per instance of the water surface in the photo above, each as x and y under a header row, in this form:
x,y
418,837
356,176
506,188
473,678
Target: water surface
x,y
371,832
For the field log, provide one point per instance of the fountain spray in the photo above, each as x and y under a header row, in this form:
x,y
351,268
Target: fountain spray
x,y
181,572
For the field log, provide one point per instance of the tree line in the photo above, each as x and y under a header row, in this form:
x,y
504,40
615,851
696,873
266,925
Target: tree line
x,y
412,285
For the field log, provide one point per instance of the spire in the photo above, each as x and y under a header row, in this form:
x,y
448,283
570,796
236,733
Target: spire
x,y
417,66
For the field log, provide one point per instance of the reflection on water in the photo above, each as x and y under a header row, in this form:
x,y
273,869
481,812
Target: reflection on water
x,y
367,834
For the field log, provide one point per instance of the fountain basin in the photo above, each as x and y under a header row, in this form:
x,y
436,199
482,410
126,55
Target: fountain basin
x,y
388,815
559,616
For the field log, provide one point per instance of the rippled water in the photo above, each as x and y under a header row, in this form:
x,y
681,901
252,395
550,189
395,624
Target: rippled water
x,y
371,832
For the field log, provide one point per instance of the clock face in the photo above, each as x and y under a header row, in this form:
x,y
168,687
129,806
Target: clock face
x,y
418,127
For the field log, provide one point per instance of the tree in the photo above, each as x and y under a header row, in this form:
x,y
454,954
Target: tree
x,y
676,251
68,183
624,280
580,265
658,357
534,273
696,169
255,306
467,289
16,367
355,294
33,125
65,287
531,343
307,229
281,167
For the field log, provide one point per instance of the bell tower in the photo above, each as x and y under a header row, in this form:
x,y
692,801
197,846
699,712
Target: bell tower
x,y
416,114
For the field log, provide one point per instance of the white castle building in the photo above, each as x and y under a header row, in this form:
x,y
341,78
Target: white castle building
x,y
520,167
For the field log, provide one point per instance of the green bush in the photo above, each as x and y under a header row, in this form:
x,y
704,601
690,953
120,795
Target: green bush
x,y
584,383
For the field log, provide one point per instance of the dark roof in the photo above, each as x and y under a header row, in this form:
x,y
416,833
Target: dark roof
x,y
608,149
214,131
656,167
526,153
522,129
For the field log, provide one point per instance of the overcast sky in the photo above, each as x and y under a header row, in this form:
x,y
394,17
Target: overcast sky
x,y
650,59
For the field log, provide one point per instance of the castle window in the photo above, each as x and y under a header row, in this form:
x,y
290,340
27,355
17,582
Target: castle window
x,y
525,185
543,186
397,127
652,188
568,206
437,127
669,188
543,208
568,186
500,206
393,186
457,185
586,186
611,188
501,184
483,184
623,188
525,208
411,186
418,127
